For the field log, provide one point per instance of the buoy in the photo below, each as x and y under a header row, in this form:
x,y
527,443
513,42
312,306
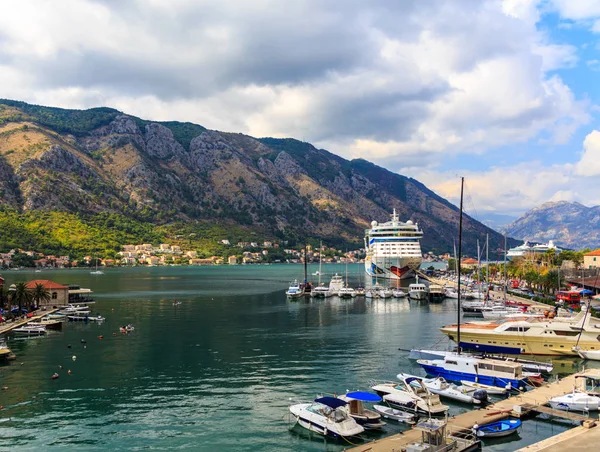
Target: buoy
x,y
100,337
69,346
85,346
69,371
74,358
114,334
60,367
55,376
83,341
4,388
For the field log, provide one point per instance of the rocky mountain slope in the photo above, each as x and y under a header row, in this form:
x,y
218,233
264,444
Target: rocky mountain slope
x,y
569,224
101,160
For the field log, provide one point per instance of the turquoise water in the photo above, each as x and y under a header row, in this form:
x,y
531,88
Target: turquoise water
x,y
216,372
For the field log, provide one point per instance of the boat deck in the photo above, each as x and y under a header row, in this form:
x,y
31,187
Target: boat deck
x,y
517,406
9,326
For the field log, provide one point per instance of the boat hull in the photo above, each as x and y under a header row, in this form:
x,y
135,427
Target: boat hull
x,y
392,268
453,375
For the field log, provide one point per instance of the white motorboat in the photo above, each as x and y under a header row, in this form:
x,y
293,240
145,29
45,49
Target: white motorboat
x,y
401,394
51,324
499,311
97,318
369,419
360,291
494,390
320,291
326,416
417,291
394,414
386,292
347,292
442,388
27,330
592,355
576,401
336,284
295,290
398,293
78,318
451,292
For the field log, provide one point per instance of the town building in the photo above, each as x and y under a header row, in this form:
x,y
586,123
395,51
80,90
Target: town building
x,y
59,294
592,259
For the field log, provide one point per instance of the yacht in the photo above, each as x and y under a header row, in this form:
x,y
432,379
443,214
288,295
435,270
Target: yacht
x,y
436,293
398,293
536,336
295,290
404,396
417,291
347,292
326,416
393,249
336,284
487,371
321,291
451,292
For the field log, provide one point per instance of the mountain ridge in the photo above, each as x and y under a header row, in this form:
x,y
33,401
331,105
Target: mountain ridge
x,y
102,160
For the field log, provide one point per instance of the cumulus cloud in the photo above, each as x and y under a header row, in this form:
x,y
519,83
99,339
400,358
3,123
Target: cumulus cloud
x,y
589,165
381,78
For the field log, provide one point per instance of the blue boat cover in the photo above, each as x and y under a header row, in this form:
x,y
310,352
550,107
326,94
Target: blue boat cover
x,y
363,396
332,402
409,379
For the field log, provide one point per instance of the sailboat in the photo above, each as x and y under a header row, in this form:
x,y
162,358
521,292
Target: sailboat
x,y
321,291
457,367
346,291
96,272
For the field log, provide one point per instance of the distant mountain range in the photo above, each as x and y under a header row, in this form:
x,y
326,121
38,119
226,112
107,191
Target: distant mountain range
x,y
569,224
101,160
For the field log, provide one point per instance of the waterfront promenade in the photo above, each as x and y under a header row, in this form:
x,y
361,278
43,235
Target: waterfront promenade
x,y
8,326
492,413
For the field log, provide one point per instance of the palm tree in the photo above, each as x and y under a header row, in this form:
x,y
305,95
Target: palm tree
x,y
21,296
39,294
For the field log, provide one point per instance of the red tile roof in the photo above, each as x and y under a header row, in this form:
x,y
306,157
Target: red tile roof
x,y
593,253
469,261
46,283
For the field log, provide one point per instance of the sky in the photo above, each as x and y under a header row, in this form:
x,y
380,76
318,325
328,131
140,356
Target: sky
x,y
503,93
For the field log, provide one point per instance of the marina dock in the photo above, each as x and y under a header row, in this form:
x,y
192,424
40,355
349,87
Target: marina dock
x,y
8,326
520,405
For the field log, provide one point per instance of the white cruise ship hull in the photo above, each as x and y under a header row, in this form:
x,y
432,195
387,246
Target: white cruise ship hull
x,y
392,268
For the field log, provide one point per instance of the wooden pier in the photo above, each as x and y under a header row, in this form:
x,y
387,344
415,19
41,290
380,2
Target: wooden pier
x,y
530,402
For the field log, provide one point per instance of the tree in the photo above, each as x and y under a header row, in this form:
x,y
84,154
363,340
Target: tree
x,y
4,299
40,294
21,296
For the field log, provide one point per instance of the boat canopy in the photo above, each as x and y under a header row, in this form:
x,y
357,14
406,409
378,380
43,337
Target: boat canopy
x,y
363,396
332,402
411,379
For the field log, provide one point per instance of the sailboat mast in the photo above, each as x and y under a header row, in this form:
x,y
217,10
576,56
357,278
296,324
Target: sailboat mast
x,y
487,266
320,254
505,281
305,265
462,184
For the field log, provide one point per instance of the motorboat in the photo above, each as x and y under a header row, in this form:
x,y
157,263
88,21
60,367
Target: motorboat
x,y
397,415
481,370
5,352
436,293
498,429
436,438
51,324
417,291
78,318
336,284
326,416
295,290
441,387
369,419
360,291
592,355
346,292
27,330
575,401
398,293
529,365
450,292
97,318
499,311
400,394
320,291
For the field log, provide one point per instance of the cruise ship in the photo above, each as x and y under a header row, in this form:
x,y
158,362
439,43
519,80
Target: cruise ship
x,y
522,250
393,249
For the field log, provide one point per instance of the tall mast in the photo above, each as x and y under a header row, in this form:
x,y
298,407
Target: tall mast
x,y
305,266
505,281
320,252
462,184
487,265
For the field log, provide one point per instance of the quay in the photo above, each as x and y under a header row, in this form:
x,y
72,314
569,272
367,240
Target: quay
x,y
8,326
520,405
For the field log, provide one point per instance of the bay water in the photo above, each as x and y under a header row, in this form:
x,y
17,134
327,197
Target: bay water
x,y
216,372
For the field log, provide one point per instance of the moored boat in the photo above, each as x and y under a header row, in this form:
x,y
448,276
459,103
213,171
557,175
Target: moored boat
x,y
325,416
417,291
295,290
575,401
30,330
369,419
494,390
436,293
441,387
397,415
404,396
498,429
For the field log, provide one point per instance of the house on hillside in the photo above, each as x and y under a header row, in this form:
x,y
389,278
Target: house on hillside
x,y
592,259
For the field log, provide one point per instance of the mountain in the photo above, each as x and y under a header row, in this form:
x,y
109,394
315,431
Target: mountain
x,y
569,224
103,162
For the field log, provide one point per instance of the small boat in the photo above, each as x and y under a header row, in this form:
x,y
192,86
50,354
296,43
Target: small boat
x,y
295,290
5,353
97,318
404,395
385,292
436,293
360,291
27,330
451,292
576,401
398,293
336,284
56,316
370,420
47,323
498,429
442,388
78,318
494,390
346,292
417,291
394,414
592,355
326,417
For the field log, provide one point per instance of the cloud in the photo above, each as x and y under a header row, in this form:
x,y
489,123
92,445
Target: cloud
x,y
389,79
586,12
589,164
